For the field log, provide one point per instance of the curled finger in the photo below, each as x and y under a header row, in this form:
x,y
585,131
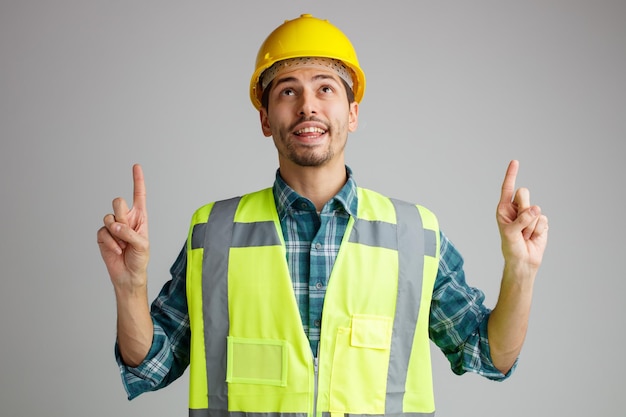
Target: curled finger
x,y
107,242
113,227
541,227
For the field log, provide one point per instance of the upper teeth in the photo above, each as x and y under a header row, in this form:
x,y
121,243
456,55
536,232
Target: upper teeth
x,y
310,130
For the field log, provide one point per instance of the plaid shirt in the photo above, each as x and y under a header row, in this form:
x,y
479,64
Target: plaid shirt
x,y
458,318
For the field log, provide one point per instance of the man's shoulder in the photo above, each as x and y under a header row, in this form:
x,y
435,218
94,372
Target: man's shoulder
x,y
263,194
371,202
369,193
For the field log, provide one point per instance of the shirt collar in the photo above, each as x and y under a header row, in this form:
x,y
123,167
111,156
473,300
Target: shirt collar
x,y
287,199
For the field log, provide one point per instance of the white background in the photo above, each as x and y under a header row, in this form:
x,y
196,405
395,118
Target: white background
x,y
455,89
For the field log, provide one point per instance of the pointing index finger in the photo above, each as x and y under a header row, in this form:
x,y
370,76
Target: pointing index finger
x,y
508,185
139,188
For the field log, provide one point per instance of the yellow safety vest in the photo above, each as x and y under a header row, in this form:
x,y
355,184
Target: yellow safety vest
x,y
249,352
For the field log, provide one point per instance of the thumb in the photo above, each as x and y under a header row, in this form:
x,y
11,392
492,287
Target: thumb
x,y
526,221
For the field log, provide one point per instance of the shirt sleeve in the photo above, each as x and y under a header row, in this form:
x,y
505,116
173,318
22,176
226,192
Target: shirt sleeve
x,y
458,318
168,357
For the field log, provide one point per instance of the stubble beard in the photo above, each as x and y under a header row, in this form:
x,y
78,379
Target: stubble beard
x,y
307,156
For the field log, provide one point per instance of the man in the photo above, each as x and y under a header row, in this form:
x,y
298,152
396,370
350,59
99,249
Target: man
x,y
244,306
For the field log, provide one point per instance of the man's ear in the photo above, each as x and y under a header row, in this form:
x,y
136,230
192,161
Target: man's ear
x,y
353,116
265,122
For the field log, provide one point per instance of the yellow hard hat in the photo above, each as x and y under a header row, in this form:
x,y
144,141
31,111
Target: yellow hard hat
x,y
306,36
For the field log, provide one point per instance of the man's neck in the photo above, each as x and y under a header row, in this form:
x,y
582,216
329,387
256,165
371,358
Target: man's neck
x,y
318,184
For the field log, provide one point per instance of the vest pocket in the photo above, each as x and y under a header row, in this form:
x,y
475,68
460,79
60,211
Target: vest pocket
x,y
256,361
358,379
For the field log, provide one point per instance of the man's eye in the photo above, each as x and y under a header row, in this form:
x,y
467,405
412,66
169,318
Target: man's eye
x,y
287,92
326,89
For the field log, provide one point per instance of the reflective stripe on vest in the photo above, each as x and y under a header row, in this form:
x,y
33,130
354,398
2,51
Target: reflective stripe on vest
x,y
223,413
219,234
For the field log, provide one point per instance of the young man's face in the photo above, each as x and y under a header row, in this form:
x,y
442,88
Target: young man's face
x,y
309,116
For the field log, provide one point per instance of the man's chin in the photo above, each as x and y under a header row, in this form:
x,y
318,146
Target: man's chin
x,y
310,160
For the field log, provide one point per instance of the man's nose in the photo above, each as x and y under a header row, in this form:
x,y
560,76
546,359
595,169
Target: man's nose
x,y
308,103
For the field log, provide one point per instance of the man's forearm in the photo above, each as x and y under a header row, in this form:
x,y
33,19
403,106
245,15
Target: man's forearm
x,y
508,322
134,326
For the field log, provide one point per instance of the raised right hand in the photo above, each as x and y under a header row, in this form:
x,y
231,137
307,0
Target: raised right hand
x,y
123,240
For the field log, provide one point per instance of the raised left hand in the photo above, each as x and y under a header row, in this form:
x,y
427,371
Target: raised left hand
x,y
523,228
